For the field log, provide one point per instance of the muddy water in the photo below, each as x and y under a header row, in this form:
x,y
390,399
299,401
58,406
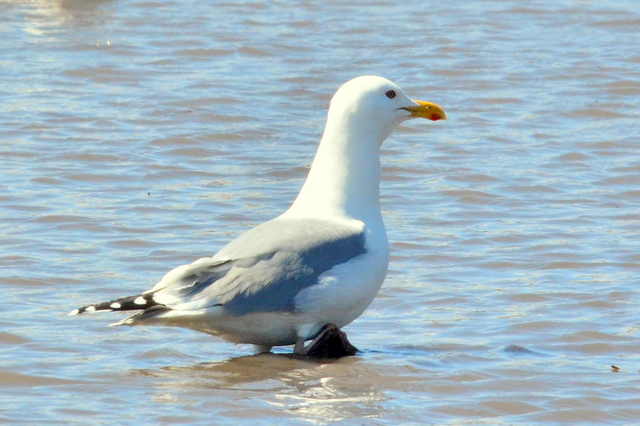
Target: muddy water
x,y
137,136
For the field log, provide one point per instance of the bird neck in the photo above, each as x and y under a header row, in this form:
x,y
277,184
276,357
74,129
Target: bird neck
x,y
344,179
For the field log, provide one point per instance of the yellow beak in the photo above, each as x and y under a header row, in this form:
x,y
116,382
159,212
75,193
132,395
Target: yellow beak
x,y
426,110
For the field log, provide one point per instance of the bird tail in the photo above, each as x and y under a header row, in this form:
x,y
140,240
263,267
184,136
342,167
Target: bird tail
x,y
130,303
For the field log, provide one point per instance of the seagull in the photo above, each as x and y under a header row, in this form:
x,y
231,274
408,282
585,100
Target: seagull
x,y
315,268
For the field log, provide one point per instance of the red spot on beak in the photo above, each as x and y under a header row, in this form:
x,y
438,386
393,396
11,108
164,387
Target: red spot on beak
x,y
435,117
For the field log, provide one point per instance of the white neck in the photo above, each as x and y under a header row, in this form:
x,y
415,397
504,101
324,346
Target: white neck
x,y
344,179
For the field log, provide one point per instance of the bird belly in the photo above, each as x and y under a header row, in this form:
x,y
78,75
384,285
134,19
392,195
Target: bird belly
x,y
259,328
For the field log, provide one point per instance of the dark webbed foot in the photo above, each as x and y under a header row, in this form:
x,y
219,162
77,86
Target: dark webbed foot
x,y
331,342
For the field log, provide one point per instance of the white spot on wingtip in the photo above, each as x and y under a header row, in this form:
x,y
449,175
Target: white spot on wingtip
x,y
90,309
140,301
115,305
74,312
165,299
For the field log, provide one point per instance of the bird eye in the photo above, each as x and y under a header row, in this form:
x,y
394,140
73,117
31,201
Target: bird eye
x,y
391,94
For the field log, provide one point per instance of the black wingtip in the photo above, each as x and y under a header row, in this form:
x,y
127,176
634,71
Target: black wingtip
x,y
129,303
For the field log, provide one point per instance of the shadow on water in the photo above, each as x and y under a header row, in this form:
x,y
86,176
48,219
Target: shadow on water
x,y
367,384
333,390
368,364
250,369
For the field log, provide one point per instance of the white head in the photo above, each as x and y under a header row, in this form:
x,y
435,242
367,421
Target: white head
x,y
345,174
376,106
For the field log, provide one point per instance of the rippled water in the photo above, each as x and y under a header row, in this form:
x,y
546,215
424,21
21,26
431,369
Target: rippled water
x,y
140,135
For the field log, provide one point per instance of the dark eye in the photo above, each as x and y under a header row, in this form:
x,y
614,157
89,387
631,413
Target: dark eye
x,y
391,94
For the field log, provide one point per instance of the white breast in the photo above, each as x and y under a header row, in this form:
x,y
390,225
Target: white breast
x,y
344,292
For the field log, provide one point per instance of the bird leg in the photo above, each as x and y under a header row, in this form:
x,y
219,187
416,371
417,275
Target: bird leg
x,y
330,342
298,349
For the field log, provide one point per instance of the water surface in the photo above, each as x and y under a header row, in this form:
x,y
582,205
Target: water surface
x,y
138,135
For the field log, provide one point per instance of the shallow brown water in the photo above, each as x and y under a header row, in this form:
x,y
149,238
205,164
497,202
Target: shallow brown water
x,y
137,136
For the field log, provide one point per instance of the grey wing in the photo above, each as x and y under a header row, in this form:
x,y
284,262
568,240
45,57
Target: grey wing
x,y
264,269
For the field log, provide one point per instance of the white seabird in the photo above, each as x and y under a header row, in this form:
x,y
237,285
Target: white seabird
x,y
321,262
